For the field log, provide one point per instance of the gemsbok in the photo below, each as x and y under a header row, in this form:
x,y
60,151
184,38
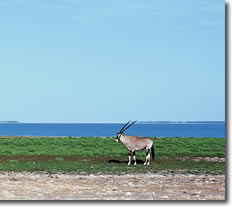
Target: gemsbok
x,y
134,143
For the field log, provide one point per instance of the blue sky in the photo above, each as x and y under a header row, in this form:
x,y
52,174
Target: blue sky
x,y
112,60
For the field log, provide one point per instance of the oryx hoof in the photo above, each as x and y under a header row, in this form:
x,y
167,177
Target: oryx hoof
x,y
148,163
145,163
128,163
135,163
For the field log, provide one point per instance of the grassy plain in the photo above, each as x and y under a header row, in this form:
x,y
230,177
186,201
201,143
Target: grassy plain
x,y
98,155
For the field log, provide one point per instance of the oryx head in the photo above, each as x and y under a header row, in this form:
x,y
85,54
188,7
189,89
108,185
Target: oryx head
x,y
120,133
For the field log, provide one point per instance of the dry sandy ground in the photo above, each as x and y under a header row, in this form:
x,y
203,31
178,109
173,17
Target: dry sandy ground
x,y
28,186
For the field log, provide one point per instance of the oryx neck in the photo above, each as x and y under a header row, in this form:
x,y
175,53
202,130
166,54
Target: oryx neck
x,y
122,138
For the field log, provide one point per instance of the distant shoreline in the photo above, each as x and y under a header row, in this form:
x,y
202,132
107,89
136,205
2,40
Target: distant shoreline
x,y
9,121
182,122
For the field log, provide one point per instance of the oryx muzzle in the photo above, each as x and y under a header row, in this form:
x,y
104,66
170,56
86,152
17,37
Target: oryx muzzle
x,y
134,143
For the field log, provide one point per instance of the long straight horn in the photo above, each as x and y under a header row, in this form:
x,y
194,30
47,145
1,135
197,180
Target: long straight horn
x,y
124,126
129,126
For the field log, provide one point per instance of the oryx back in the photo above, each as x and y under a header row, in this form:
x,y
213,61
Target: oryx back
x,y
134,143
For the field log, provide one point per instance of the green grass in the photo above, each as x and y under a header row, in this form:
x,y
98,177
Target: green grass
x,y
103,155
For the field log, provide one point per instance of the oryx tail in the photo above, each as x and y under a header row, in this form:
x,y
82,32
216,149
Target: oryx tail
x,y
152,152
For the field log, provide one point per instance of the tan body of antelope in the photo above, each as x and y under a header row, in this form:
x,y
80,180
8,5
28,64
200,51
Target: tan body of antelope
x,y
134,143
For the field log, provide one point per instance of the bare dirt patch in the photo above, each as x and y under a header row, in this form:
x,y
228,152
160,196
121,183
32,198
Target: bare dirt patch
x,y
42,186
209,159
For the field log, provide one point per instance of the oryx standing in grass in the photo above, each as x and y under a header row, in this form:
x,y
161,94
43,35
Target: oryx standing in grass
x,y
134,143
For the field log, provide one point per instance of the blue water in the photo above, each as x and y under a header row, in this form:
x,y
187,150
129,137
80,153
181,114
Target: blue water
x,y
209,129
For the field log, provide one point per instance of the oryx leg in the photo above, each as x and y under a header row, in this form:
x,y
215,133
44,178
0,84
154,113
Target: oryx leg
x,y
147,157
134,158
129,156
